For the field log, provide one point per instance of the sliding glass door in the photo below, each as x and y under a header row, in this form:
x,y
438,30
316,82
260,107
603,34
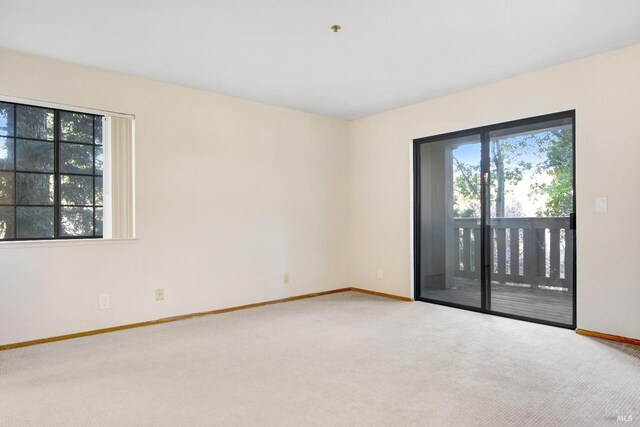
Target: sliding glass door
x,y
494,219
450,209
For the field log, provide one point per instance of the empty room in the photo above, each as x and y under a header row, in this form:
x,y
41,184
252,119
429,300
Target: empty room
x,y
319,213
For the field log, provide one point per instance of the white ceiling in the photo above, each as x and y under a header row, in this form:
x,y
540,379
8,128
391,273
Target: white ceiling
x,y
282,52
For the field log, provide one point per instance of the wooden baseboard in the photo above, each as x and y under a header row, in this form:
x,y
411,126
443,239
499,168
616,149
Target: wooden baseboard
x,y
189,316
164,320
615,338
381,294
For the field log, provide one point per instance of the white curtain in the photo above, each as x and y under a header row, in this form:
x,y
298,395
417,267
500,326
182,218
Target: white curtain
x,y
121,168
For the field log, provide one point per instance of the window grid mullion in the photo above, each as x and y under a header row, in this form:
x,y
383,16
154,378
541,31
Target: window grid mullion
x,y
51,172
93,216
56,173
15,171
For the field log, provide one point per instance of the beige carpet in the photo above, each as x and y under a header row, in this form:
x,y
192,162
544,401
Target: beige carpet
x,y
345,359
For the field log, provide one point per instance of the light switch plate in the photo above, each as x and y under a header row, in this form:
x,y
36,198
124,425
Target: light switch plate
x,y
601,204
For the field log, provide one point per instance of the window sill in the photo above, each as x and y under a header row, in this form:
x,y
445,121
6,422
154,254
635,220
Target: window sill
x,y
69,242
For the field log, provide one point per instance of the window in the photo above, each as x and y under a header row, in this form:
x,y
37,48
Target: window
x,y
51,173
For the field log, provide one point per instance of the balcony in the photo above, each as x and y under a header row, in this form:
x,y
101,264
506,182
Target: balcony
x,y
531,267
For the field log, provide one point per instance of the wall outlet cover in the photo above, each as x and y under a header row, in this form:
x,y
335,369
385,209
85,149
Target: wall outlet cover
x,y
104,302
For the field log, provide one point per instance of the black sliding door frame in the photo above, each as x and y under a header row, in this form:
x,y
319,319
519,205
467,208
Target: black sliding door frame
x,y
485,228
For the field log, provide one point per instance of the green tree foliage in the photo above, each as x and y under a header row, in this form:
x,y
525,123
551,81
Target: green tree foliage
x,y
77,221
506,168
35,222
34,156
76,158
6,222
552,174
466,195
556,151
76,127
33,122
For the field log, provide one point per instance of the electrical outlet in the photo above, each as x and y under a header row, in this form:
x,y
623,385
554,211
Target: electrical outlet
x,y
159,294
379,274
104,302
285,279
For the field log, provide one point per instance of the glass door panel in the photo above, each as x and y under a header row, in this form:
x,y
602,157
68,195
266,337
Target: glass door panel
x,y
530,235
449,194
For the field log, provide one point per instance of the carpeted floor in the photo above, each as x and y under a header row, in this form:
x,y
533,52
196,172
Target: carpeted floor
x,y
344,359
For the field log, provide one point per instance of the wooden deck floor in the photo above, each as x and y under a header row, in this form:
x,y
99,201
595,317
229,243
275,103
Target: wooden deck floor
x,y
554,306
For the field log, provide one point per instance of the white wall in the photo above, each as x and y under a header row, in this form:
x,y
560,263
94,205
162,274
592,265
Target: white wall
x,y
605,92
231,195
